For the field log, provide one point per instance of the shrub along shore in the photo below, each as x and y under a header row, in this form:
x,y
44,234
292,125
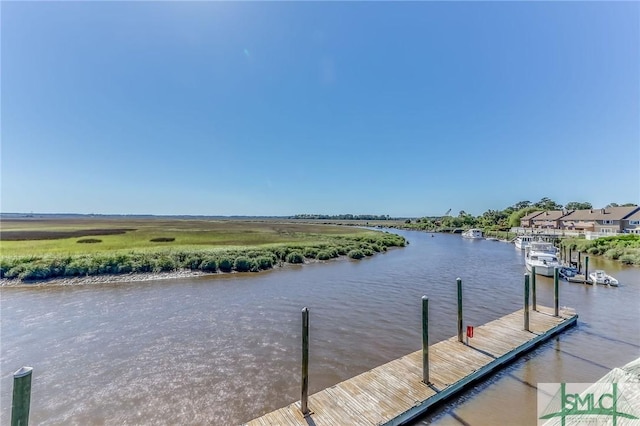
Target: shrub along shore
x,y
212,260
623,248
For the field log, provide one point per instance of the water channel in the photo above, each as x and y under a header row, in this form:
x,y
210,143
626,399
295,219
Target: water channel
x,y
224,349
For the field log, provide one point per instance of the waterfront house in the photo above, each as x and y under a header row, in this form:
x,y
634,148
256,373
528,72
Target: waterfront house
x,y
601,221
631,223
525,221
549,219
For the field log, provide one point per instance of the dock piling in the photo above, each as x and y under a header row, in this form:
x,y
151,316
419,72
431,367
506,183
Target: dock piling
x,y
586,268
579,262
556,291
425,339
533,288
393,393
459,282
570,257
21,397
526,302
304,398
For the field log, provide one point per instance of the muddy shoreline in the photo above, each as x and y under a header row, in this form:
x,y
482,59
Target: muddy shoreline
x,y
137,277
103,279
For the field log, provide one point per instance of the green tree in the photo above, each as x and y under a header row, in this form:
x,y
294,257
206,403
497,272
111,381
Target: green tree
x,y
621,205
521,205
547,204
576,205
493,218
514,217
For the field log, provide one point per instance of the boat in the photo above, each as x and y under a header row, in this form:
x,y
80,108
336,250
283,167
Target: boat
x,y
567,272
544,261
600,277
543,246
522,241
473,233
491,239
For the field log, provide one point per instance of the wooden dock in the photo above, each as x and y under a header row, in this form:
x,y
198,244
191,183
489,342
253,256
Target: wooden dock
x,y
579,279
394,393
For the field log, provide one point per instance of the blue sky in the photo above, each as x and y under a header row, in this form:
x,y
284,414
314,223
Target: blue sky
x,y
406,109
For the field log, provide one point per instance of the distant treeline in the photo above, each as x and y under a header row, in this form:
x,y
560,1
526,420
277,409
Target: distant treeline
x,y
343,217
496,219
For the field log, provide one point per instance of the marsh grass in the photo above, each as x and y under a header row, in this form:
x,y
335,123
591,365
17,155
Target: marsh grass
x,y
210,246
129,234
623,248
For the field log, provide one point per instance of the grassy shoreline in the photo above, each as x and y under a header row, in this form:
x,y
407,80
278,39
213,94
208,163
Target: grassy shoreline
x,y
623,248
37,251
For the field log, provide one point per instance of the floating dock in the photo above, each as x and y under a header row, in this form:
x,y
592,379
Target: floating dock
x,y
395,393
579,278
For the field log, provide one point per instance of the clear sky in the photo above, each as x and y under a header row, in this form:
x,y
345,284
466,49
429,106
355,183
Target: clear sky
x,y
407,109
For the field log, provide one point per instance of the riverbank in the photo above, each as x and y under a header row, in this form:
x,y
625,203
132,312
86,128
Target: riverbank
x,y
38,251
133,277
622,248
102,279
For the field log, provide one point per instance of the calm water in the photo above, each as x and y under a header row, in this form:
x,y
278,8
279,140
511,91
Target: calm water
x,y
223,350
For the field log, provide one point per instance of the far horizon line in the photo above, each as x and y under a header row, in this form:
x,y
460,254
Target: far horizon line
x,y
288,216
243,216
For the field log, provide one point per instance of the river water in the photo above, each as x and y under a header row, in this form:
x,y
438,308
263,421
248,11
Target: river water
x,y
222,350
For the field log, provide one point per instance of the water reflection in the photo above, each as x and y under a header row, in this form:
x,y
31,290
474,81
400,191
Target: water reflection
x,y
225,349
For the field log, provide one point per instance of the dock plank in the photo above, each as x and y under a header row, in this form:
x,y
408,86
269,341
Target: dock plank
x,y
394,392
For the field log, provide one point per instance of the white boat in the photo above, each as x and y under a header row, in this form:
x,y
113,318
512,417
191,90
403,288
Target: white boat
x,y
522,241
600,277
473,233
544,261
543,246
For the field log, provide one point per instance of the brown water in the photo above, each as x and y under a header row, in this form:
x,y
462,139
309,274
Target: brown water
x,y
223,350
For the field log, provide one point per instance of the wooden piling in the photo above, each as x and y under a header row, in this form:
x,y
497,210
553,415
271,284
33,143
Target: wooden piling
x,y
579,262
526,302
425,339
304,398
533,288
459,282
586,268
21,397
556,291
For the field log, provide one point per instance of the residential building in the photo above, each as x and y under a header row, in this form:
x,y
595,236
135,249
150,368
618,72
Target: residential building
x,y
549,219
631,223
525,221
602,221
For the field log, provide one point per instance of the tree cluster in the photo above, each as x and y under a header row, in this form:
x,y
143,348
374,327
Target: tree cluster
x,y
342,216
503,219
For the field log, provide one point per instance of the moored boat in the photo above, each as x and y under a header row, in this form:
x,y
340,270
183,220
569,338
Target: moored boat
x,y
522,241
567,272
543,246
544,261
600,277
473,233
